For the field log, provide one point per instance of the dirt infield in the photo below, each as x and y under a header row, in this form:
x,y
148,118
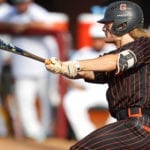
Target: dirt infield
x,y
49,144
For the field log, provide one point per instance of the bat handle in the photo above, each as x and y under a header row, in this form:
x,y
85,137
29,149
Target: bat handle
x,y
47,62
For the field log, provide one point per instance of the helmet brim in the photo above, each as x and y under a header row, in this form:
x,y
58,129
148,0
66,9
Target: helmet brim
x,y
104,20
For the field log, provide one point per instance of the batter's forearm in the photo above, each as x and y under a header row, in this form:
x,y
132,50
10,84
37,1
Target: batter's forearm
x,y
105,63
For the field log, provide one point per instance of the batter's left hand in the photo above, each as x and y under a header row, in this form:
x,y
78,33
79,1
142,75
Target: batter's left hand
x,y
67,68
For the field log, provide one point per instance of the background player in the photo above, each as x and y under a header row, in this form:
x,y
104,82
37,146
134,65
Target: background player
x,y
31,81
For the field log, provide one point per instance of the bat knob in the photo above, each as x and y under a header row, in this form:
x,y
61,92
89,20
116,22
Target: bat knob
x,y
47,62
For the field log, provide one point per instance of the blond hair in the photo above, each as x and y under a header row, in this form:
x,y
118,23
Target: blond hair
x,y
138,32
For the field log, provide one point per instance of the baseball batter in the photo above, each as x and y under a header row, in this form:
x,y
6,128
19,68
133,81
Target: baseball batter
x,y
127,72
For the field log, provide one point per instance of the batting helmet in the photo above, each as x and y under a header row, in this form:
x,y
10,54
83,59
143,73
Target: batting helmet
x,y
125,15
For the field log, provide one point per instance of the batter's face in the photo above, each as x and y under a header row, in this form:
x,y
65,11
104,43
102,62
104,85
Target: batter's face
x,y
110,37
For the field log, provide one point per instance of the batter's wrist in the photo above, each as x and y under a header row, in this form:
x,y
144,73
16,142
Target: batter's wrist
x,y
77,65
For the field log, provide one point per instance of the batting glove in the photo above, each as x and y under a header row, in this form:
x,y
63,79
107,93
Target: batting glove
x,y
67,68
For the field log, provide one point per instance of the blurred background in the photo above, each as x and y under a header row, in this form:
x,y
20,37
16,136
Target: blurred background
x,y
74,8
32,112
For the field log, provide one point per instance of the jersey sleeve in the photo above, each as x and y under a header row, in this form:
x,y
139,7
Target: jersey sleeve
x,y
135,55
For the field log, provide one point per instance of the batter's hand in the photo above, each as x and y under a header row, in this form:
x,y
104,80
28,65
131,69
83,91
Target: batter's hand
x,y
67,68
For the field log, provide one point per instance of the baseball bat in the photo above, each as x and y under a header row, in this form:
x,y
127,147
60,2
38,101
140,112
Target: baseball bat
x,y
14,49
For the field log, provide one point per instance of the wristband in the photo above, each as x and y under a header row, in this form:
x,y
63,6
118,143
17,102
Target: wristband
x,y
77,65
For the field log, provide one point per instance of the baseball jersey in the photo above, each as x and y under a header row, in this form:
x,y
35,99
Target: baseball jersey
x,y
131,88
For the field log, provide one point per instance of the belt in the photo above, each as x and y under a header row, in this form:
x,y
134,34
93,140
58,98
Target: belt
x,y
132,112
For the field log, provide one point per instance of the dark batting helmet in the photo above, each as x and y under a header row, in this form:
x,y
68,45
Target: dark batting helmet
x,y
125,15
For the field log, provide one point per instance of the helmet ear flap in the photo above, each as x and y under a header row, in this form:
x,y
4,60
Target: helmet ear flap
x,y
119,29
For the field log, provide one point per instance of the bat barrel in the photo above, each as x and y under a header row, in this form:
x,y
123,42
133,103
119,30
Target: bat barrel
x,y
17,50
